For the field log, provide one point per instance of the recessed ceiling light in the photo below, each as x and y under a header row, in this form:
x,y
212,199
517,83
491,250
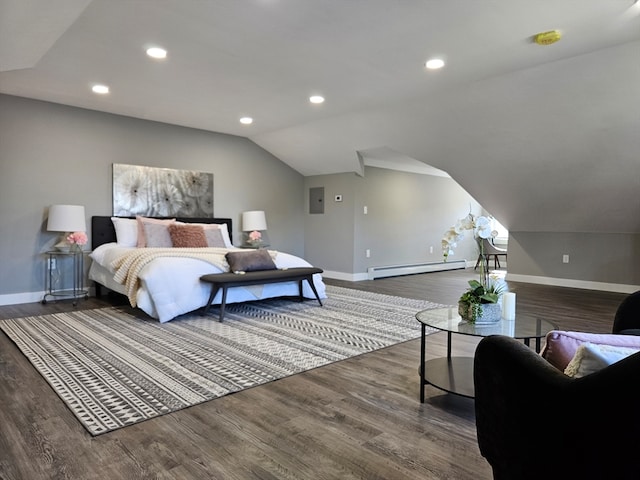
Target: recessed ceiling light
x,y
434,63
246,120
316,99
100,89
157,52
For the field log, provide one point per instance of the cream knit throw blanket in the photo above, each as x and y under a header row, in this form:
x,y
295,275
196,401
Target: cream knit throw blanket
x,y
129,265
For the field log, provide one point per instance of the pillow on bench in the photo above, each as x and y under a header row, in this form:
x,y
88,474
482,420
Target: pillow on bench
x,y
561,347
250,261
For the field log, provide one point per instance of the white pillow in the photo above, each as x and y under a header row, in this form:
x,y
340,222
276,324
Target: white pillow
x,y
590,358
126,231
98,253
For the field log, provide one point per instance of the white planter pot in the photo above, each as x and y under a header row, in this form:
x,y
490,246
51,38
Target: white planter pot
x,y
491,313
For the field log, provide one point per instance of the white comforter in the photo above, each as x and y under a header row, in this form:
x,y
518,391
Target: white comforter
x,y
171,286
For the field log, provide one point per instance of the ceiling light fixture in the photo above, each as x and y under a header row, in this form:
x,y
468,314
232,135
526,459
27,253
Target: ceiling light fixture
x,y
316,99
157,52
434,64
246,120
100,89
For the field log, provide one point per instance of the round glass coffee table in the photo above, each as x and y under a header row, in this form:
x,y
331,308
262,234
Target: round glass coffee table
x,y
455,374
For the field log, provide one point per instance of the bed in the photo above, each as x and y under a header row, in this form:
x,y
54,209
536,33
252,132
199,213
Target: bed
x,y
164,281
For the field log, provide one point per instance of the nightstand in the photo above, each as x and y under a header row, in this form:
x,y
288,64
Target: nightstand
x,y
61,264
254,247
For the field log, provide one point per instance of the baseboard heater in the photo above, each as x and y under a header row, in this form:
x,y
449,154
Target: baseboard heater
x,y
397,270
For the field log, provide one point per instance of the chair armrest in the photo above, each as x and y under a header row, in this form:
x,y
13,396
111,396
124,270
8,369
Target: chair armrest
x,y
528,414
628,314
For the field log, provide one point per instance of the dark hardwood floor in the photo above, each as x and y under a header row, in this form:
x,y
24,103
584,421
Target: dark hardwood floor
x,y
356,419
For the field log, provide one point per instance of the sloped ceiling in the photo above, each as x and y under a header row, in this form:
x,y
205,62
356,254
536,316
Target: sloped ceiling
x,y
544,137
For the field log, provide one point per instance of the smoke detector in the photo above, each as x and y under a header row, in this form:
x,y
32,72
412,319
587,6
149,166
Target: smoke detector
x,y
547,38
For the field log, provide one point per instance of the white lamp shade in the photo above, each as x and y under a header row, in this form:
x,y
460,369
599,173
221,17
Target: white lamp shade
x,y
254,220
66,218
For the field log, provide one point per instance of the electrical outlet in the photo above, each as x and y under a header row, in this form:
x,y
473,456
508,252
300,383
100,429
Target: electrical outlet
x,y
565,258
365,209
431,249
367,253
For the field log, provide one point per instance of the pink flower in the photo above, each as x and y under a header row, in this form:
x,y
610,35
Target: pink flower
x,y
255,236
78,238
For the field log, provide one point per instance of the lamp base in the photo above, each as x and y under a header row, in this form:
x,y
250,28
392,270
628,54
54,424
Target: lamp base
x,y
262,242
63,245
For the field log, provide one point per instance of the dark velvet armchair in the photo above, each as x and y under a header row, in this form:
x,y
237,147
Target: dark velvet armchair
x,y
627,319
535,422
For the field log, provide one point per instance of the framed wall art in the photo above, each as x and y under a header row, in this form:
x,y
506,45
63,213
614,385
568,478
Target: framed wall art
x,y
161,192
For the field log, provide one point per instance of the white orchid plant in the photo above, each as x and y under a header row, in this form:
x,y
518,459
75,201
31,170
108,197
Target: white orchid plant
x,y
488,289
481,227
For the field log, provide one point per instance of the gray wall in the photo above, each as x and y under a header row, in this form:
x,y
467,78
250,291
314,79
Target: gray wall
x,y
594,257
330,236
407,214
53,154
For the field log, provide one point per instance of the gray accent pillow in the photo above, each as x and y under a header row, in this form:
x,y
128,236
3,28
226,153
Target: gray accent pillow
x,y
157,231
157,235
214,237
253,260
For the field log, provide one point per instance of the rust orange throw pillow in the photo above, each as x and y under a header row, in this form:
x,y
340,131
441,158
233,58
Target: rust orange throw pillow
x,y
187,236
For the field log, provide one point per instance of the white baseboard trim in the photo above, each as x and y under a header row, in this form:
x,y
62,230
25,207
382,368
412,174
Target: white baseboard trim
x,y
18,298
32,297
413,268
347,277
567,282
358,277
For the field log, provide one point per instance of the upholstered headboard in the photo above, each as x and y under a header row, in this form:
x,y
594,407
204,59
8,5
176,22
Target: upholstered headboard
x,y
103,231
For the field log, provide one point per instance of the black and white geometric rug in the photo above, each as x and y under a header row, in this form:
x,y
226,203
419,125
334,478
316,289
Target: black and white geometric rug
x,y
113,369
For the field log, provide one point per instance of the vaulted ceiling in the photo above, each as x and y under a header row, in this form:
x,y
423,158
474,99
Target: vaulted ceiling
x,y
547,138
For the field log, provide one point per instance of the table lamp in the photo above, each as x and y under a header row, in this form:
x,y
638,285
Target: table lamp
x,y
67,219
254,224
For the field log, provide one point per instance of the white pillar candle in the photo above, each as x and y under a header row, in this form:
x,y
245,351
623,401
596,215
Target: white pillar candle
x,y
509,306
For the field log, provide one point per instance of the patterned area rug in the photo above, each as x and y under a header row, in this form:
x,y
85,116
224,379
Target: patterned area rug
x,y
113,369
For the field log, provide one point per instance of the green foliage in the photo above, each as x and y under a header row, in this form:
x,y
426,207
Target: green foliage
x,y
469,304
479,293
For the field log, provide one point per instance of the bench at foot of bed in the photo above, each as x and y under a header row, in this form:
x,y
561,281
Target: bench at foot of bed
x,y
262,277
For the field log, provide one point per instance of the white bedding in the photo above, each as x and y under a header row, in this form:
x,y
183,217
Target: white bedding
x,y
171,286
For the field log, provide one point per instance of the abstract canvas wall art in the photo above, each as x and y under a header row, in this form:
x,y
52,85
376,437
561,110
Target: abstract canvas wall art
x,y
161,192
